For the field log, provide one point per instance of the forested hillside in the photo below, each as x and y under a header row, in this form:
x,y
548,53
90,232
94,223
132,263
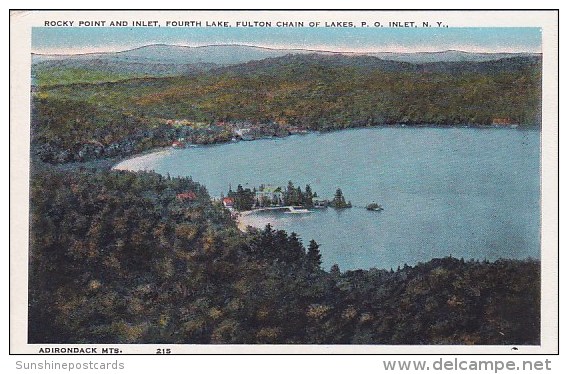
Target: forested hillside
x,y
121,257
317,92
118,257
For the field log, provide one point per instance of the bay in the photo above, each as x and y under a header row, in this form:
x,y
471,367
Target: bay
x,y
464,192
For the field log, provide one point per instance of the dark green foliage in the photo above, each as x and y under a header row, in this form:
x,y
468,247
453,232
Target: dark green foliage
x,y
311,91
308,196
244,198
294,196
313,257
338,200
117,257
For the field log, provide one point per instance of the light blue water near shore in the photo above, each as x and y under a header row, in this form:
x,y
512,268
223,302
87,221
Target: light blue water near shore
x,y
465,192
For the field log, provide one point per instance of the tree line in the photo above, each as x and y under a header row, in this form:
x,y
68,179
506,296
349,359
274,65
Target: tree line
x,y
247,199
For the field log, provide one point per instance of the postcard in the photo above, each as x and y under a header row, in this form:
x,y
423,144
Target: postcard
x,y
284,182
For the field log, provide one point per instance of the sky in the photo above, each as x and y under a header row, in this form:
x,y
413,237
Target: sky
x,y
109,39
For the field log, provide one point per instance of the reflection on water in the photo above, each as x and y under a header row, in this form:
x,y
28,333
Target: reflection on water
x,y
263,218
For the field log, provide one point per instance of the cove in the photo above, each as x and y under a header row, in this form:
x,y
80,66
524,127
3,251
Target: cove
x,y
461,192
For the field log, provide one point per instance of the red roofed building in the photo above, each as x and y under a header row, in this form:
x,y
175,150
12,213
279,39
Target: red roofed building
x,y
191,196
228,202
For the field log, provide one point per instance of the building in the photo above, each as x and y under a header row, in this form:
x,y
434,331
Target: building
x,y
269,195
228,202
244,133
320,203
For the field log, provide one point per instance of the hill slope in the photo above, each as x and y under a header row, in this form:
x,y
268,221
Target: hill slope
x,y
170,60
314,91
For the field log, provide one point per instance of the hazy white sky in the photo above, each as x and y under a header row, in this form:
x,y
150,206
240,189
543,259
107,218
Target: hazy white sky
x,y
102,39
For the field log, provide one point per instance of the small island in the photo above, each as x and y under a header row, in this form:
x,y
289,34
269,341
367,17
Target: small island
x,y
270,196
338,201
374,207
274,197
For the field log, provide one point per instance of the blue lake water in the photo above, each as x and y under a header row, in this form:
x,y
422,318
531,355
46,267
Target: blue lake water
x,y
464,192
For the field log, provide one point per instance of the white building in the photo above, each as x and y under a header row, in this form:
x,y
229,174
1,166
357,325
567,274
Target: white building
x,y
269,195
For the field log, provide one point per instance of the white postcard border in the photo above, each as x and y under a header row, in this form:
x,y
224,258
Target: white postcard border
x,y
21,23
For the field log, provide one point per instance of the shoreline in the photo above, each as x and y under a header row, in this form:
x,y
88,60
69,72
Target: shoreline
x,y
99,164
244,221
138,155
241,225
111,162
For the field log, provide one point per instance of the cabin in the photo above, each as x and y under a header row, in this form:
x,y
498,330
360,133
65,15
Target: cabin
x,y
319,203
228,202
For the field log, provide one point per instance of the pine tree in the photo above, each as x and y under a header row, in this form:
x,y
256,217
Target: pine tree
x,y
338,195
289,194
313,258
299,196
334,271
308,196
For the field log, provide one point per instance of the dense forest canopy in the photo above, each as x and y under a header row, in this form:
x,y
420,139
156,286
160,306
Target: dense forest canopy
x,y
313,91
331,91
116,257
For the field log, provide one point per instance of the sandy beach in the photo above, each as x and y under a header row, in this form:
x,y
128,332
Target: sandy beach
x,y
241,222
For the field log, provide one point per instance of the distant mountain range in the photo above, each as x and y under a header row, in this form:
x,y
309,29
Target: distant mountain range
x,y
447,56
161,60
229,54
156,60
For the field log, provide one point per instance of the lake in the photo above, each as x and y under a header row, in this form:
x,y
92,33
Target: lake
x,y
464,192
